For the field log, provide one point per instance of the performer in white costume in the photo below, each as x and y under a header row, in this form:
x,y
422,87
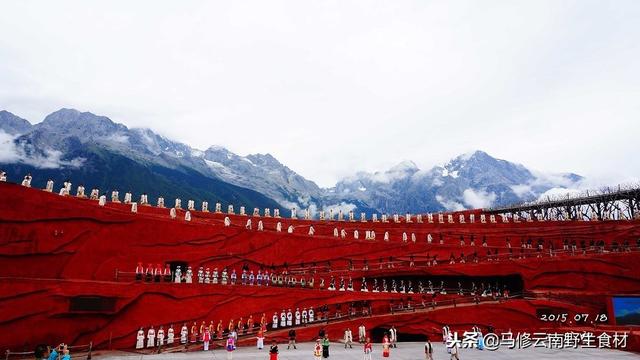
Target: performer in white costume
x,y
95,194
227,221
312,231
289,318
49,187
127,198
214,276
140,339
151,338
184,333
161,336
64,190
170,335
201,275
362,333
348,339
27,180
283,319
260,225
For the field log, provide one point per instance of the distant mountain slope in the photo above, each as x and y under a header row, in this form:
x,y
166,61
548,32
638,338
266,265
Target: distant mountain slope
x,y
12,124
96,151
472,180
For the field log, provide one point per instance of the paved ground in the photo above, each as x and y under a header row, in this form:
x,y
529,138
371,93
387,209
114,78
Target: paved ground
x,y
406,351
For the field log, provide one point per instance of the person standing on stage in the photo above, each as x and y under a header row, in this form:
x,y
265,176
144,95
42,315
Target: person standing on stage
x,y
231,346
368,348
273,351
386,345
292,339
428,350
325,346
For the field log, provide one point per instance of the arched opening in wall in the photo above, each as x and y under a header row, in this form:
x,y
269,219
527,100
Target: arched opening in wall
x,y
91,303
513,282
378,333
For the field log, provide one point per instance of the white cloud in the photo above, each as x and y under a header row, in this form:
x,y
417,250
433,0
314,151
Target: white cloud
x,y
10,152
478,199
450,205
331,88
344,206
118,138
522,190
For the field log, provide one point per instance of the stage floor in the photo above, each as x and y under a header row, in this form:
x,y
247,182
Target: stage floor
x,y
405,351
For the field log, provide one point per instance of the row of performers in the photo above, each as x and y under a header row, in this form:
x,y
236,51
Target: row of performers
x,y
204,334
157,274
282,279
285,319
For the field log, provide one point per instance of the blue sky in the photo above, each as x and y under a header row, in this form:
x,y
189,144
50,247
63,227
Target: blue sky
x,y
333,87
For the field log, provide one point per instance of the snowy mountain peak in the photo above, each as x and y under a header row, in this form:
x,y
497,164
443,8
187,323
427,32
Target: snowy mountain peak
x,y
82,124
264,160
12,124
404,166
214,148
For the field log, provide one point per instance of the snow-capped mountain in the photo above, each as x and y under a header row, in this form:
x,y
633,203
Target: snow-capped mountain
x,y
474,180
265,174
81,145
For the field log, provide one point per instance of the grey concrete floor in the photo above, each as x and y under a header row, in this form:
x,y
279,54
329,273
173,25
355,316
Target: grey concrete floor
x,y
405,351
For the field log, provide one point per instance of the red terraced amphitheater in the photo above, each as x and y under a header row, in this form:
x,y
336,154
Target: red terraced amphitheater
x,y
69,272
